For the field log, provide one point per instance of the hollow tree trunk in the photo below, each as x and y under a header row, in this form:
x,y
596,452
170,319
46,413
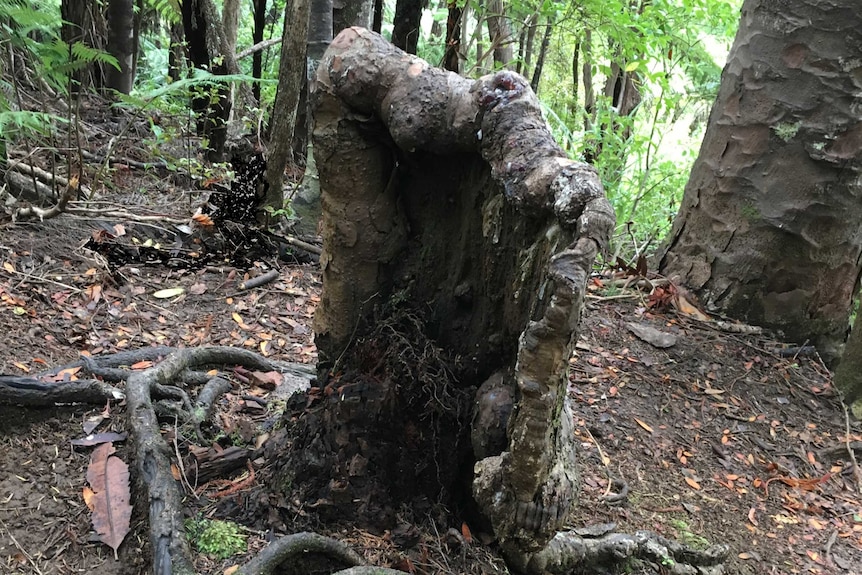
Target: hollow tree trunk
x,y
457,243
768,230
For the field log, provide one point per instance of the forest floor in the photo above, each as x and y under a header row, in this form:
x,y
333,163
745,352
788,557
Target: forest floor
x,y
719,437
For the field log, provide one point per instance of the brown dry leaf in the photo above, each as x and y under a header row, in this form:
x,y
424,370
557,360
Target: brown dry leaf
x,y
752,516
238,319
203,220
231,570
268,380
88,496
692,483
644,425
687,308
465,531
108,476
146,364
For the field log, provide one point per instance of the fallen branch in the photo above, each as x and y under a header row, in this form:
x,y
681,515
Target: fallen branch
x,y
258,281
32,391
47,177
45,214
257,48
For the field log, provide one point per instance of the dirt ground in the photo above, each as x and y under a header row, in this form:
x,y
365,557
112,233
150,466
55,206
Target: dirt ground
x,y
718,438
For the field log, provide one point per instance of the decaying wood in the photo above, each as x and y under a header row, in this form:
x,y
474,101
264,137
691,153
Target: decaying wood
x,y
287,550
32,391
528,224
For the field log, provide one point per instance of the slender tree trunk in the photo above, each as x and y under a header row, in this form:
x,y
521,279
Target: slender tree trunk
x,y
260,7
291,75
500,33
451,57
230,23
768,230
121,45
377,19
405,31
543,52
176,57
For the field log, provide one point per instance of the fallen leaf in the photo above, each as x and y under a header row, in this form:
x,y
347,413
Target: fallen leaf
x,y
108,476
88,496
692,483
644,425
98,438
145,364
465,531
752,516
169,293
231,570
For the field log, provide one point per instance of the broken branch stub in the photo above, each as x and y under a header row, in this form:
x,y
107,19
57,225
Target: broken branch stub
x,y
451,195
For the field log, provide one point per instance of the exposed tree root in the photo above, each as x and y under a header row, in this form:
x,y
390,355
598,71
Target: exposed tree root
x,y
568,552
287,550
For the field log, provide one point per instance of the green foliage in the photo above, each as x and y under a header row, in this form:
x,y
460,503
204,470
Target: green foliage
x,y
221,539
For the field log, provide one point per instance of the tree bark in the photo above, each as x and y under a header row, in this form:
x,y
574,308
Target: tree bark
x,y
405,31
230,23
452,57
848,375
121,18
346,13
439,222
543,52
257,37
768,230
291,73
500,33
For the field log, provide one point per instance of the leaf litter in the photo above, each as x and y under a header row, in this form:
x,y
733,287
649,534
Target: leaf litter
x,y
717,437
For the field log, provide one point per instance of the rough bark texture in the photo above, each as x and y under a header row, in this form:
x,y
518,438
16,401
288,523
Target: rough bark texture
x,y
291,73
120,17
449,197
848,375
768,231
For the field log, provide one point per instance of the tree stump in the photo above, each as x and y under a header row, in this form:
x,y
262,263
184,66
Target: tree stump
x,y
458,238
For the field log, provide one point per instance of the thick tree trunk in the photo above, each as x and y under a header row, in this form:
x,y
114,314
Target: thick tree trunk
x,y
457,243
346,13
230,23
405,30
848,375
768,230
121,45
291,73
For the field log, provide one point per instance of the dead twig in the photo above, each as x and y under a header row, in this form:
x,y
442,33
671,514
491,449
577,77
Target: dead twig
x,y
258,281
45,214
